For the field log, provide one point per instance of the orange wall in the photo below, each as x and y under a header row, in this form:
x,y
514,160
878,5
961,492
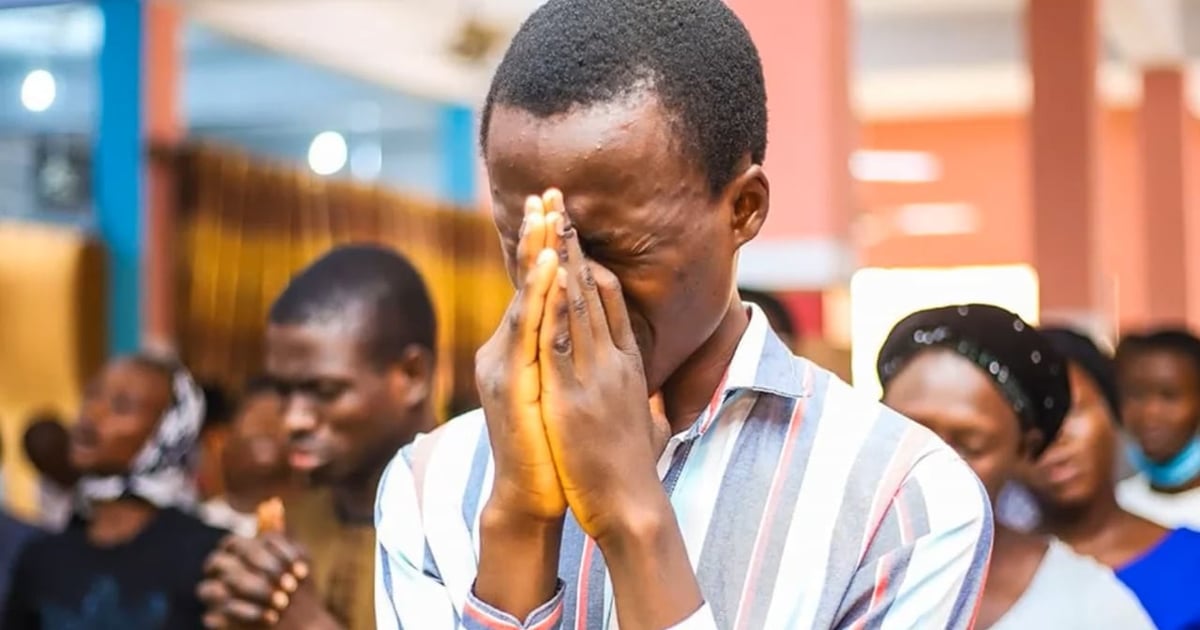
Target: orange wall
x,y
985,163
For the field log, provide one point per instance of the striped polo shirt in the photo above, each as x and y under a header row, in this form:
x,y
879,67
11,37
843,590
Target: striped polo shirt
x,y
803,504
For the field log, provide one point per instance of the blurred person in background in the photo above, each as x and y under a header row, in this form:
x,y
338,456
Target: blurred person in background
x,y
1159,377
996,390
350,348
133,560
47,444
214,435
254,462
14,534
1073,486
777,314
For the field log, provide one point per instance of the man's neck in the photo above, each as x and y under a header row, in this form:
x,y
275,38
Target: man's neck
x,y
689,390
116,522
354,499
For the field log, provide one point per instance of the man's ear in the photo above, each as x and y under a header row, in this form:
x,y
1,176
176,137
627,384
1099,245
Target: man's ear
x,y
750,196
411,377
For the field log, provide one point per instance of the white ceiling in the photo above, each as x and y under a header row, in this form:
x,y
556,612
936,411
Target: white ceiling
x,y
912,57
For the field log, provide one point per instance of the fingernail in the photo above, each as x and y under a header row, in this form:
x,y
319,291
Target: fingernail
x,y
300,569
280,599
545,256
271,617
289,583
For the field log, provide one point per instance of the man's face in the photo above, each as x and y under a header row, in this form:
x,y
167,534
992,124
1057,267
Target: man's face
x,y
642,208
121,410
340,412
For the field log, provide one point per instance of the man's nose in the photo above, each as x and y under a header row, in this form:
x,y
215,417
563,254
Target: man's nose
x,y
299,415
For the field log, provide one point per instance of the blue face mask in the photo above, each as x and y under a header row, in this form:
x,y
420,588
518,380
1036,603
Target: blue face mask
x,y
1182,468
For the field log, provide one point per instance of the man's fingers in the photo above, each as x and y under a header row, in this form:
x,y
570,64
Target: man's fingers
x,y
531,304
284,550
579,317
615,311
555,345
212,593
260,555
253,587
240,611
533,236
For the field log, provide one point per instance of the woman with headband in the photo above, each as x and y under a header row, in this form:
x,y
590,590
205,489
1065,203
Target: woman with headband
x,y
134,559
994,389
1073,489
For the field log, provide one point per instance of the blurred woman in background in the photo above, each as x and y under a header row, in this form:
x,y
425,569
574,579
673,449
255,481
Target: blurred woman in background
x,y
1073,486
994,389
1159,376
134,559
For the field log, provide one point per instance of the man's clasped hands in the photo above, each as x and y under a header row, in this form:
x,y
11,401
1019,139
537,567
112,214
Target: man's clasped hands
x,y
563,388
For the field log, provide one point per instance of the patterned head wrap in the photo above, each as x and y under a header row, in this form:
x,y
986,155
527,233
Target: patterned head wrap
x,y
164,471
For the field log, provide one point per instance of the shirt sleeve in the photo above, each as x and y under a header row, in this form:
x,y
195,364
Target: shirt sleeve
x,y
406,595
926,563
409,590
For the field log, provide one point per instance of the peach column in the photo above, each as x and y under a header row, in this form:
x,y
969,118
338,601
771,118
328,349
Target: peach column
x,y
164,127
1063,45
805,52
1164,161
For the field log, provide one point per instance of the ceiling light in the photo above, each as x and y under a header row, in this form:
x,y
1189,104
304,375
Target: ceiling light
x,y
327,153
38,91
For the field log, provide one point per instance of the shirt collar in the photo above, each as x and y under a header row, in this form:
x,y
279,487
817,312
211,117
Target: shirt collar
x,y
761,363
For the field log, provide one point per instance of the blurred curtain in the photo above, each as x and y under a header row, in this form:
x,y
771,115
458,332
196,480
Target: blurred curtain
x,y
52,336
247,226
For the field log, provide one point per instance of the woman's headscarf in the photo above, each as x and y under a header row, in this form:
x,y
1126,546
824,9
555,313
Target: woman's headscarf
x,y
164,471
1097,364
1025,368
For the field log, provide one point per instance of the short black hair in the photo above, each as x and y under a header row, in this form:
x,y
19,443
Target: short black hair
x,y
218,406
374,278
1176,340
45,436
776,312
694,55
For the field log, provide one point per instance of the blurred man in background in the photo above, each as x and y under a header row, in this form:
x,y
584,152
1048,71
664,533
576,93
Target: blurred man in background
x,y
47,445
254,463
350,349
214,435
